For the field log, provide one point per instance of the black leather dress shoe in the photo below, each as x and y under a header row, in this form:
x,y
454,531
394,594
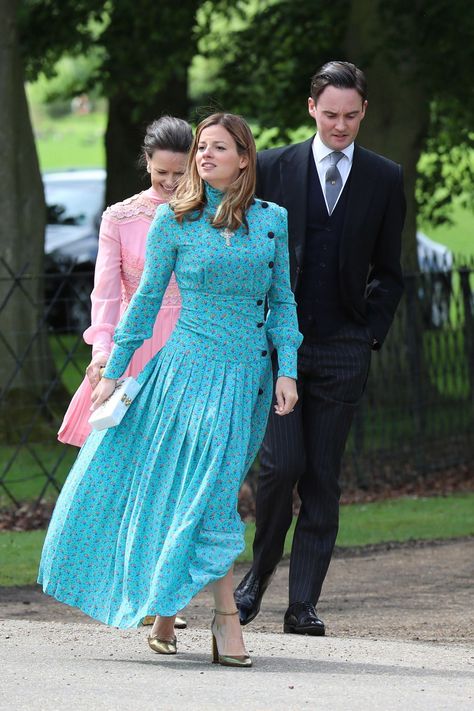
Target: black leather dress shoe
x,y
301,618
248,595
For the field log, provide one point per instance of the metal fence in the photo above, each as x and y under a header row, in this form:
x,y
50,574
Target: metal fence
x,y
416,417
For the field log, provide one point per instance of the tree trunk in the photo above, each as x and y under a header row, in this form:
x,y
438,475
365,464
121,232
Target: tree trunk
x,y
145,83
124,136
25,360
394,126
398,113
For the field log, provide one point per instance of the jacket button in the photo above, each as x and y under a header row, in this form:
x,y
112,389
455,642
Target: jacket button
x,y
259,325
264,353
271,235
260,391
270,264
264,204
259,302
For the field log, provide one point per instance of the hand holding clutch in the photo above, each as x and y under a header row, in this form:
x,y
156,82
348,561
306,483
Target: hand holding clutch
x,y
110,411
102,392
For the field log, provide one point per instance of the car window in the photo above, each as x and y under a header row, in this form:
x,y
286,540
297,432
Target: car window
x,y
75,203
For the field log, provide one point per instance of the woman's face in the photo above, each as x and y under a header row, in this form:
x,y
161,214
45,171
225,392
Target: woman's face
x,y
165,168
217,159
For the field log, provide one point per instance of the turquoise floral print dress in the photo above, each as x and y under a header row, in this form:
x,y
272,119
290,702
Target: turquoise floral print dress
x,y
148,514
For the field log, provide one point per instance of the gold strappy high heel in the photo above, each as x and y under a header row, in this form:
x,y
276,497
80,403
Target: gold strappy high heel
x,y
226,660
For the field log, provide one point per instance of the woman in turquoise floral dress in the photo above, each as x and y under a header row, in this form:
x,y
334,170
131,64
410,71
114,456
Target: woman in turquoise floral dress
x,y
148,514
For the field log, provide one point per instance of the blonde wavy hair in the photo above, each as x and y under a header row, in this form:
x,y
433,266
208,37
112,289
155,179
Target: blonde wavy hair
x,y
189,200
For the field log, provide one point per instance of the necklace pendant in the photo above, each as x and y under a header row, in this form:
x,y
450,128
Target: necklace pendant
x,y
227,235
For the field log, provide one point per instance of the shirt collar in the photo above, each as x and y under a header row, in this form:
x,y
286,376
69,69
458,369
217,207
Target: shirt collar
x,y
321,151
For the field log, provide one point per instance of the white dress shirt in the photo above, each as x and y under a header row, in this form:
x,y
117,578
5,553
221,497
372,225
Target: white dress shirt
x,y
322,161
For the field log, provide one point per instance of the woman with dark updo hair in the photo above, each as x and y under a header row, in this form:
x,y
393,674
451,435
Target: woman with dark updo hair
x,y
119,267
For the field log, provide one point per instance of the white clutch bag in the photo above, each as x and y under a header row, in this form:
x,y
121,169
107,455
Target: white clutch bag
x,y
111,412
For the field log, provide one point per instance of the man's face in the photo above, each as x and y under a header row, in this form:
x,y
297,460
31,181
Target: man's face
x,y
338,113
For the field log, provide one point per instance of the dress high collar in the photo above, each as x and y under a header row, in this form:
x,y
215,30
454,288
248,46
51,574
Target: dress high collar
x,y
213,197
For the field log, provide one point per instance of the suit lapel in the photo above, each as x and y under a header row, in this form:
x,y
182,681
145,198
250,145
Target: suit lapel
x,y
294,186
363,180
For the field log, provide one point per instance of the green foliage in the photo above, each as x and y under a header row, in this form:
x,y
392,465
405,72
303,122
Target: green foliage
x,y
266,65
144,49
434,39
139,47
256,57
446,171
361,524
72,76
161,35
50,28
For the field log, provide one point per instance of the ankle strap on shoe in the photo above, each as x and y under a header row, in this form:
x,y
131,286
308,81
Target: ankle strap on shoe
x,y
219,612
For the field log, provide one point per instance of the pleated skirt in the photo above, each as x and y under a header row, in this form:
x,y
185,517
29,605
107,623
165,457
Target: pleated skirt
x,y
148,514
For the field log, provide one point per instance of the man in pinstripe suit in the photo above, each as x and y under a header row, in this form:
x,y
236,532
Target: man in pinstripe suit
x,y
346,209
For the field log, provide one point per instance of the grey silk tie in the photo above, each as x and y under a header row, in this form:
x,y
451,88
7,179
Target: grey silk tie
x,y
333,180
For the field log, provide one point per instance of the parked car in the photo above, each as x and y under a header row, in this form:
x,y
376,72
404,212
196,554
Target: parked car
x,y
435,262
75,200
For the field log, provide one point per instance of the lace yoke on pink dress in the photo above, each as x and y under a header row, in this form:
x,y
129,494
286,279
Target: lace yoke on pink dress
x,y
131,209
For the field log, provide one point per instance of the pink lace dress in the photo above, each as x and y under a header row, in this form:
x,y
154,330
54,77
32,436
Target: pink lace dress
x,y
118,270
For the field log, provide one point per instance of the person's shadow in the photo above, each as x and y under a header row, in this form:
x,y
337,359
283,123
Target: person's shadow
x,y
278,665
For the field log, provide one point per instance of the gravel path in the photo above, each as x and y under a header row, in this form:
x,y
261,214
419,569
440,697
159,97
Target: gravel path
x,y
400,628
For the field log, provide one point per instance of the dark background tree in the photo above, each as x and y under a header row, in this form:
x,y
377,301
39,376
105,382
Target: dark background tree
x,y
417,55
146,47
21,237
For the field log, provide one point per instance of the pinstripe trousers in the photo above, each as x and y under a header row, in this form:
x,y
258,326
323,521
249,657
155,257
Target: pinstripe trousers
x,y
306,447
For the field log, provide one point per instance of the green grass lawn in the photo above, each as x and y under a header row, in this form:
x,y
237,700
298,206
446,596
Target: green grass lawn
x,y
459,236
361,524
402,519
70,141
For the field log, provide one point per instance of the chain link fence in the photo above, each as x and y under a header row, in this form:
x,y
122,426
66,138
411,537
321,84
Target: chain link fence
x,y
416,417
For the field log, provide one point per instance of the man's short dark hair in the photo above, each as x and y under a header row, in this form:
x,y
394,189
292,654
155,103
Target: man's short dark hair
x,y
342,75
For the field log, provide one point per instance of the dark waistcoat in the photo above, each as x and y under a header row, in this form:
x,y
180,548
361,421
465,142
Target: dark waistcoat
x,y
320,309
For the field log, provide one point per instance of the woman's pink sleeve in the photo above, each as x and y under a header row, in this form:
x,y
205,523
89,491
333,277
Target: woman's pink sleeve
x,y
106,295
